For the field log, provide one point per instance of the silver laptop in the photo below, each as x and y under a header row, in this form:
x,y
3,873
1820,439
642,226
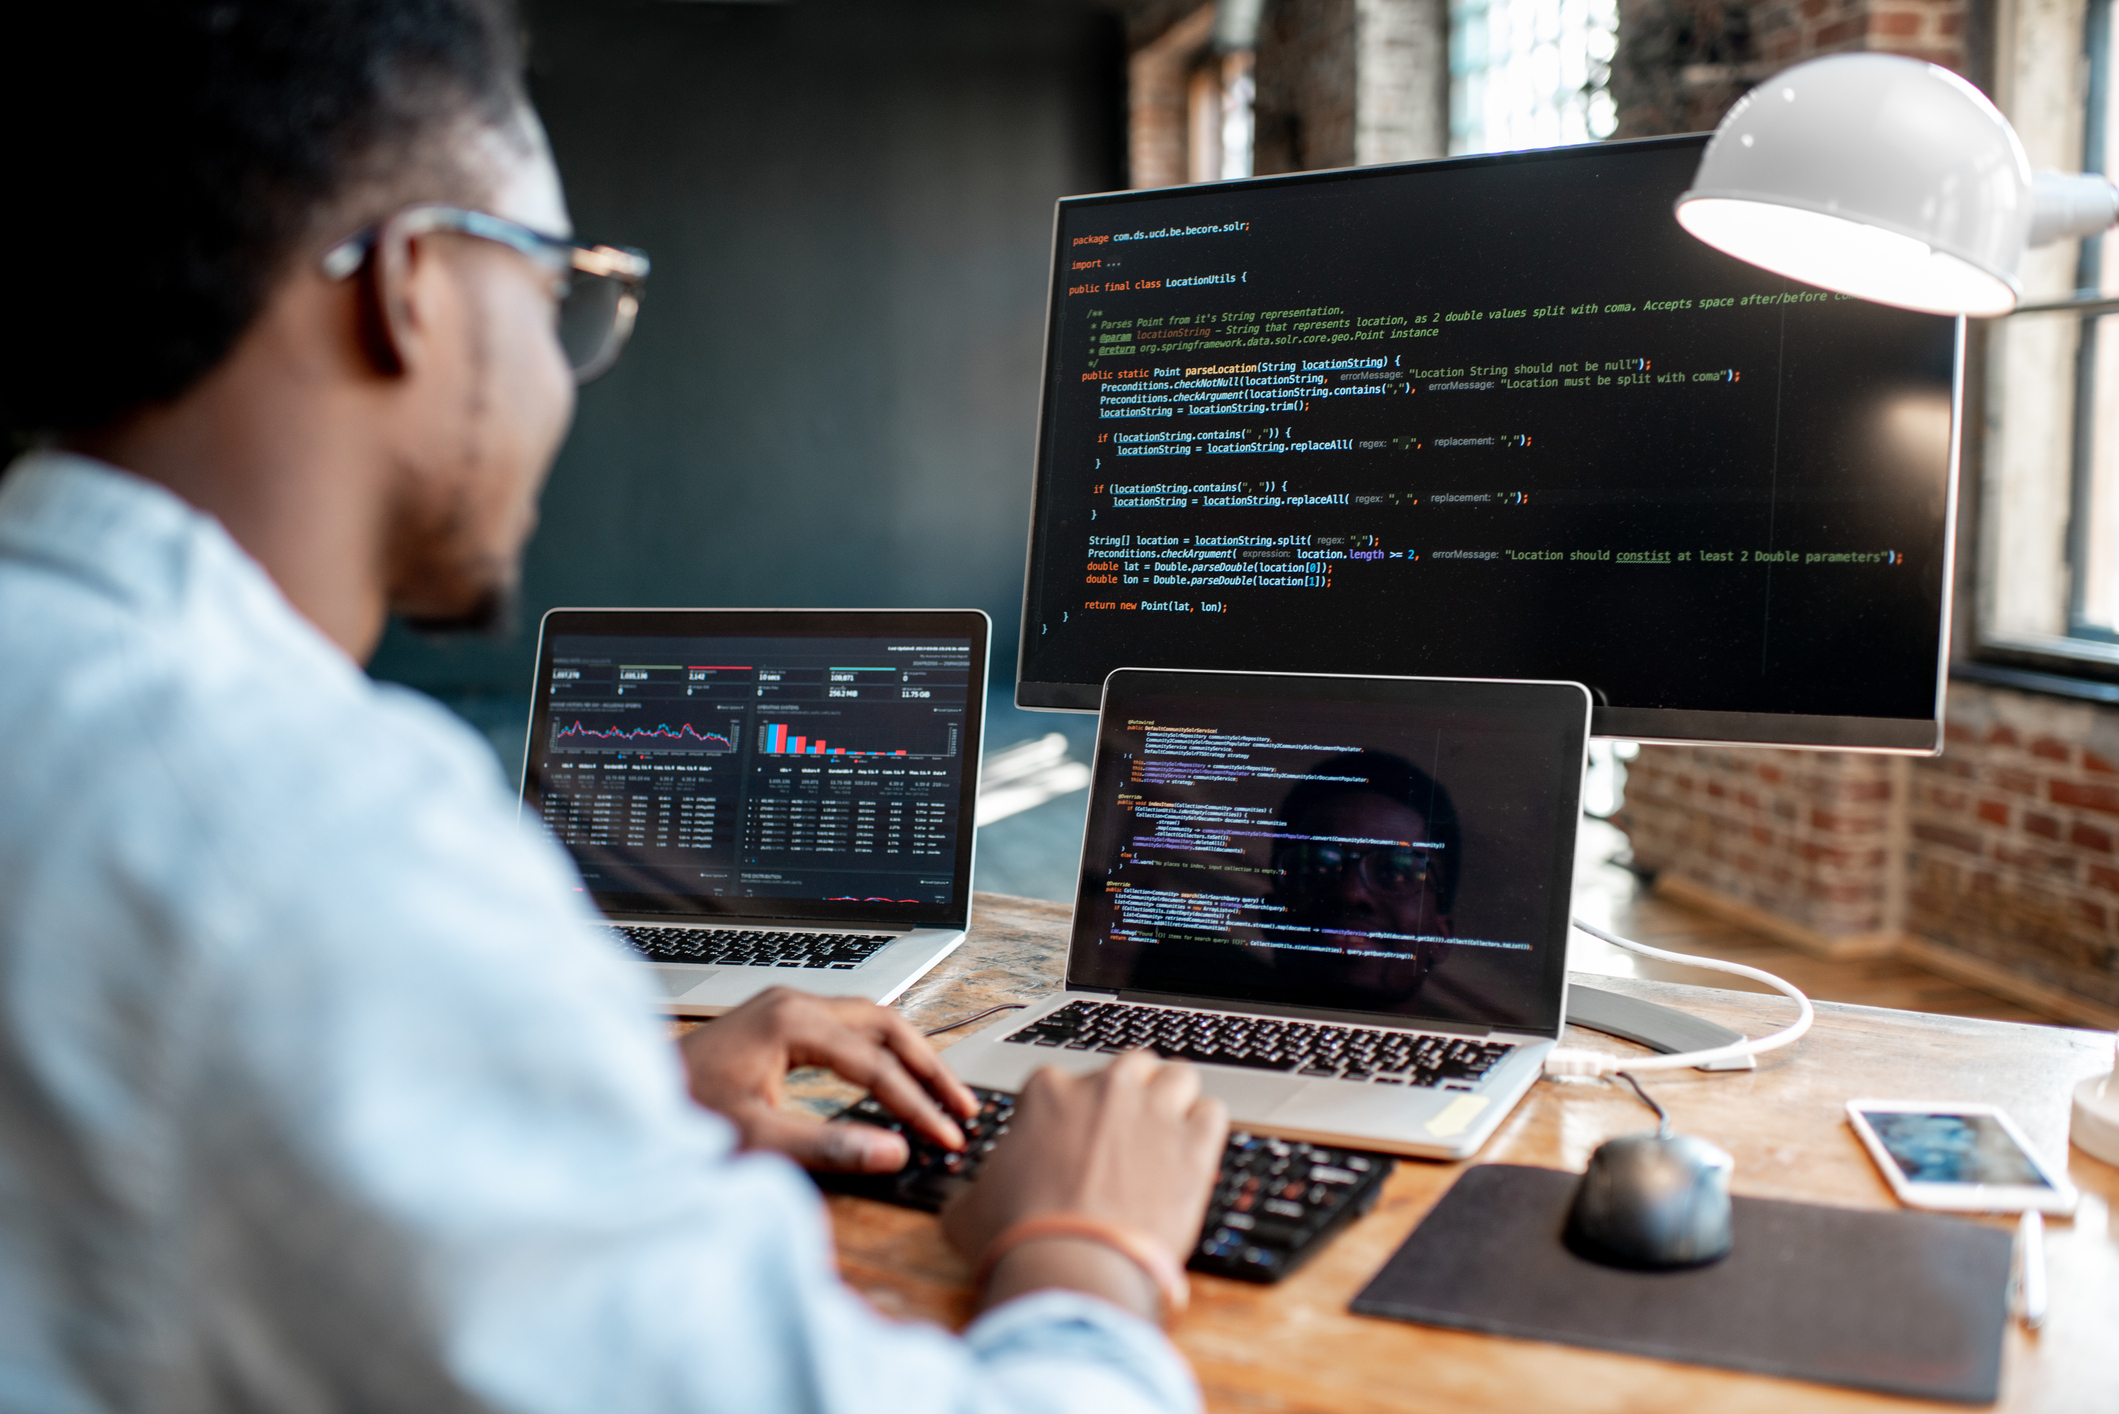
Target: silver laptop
x,y
1345,899
761,797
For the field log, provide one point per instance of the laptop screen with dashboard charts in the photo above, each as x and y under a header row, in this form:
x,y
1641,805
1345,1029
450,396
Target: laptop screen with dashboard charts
x,y
793,764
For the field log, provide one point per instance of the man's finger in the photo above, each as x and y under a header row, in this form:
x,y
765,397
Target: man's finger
x,y
1174,1087
917,1055
826,1028
841,1147
1046,1088
908,1100
1209,1121
1133,1067
868,1063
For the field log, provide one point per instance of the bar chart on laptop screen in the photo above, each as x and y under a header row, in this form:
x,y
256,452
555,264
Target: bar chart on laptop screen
x,y
818,769
907,739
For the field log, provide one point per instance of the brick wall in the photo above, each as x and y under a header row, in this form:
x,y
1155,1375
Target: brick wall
x,y
1801,837
1681,63
1790,30
1306,73
1337,82
1997,861
2013,859
1401,96
1158,76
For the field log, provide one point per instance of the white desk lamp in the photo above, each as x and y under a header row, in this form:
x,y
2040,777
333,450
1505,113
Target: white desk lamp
x,y
1891,180
1897,181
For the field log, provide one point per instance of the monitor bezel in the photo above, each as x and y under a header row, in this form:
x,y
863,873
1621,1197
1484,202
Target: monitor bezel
x,y
784,623
1907,736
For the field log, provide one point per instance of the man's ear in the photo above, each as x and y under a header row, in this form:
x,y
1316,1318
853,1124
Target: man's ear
x,y
393,330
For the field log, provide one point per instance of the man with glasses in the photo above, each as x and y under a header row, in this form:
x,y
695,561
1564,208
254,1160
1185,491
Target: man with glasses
x,y
314,1092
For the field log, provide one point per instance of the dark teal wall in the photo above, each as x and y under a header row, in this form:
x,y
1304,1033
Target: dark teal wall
x,y
832,395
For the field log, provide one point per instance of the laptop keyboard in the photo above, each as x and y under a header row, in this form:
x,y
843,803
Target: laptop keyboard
x,y
1267,1043
748,947
1276,1203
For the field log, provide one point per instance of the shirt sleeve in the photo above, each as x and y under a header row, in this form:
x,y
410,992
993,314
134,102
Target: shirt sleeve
x,y
442,1158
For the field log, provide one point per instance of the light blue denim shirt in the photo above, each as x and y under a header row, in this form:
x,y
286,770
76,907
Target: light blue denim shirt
x,y
314,1092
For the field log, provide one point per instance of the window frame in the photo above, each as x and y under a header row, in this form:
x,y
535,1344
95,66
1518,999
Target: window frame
x,y
2083,660
2089,275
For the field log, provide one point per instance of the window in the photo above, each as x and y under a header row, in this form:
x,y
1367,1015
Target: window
x,y
1218,118
2048,585
2093,531
1530,73
1190,99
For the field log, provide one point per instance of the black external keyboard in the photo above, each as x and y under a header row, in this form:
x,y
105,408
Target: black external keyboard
x,y
1276,1203
1267,1043
750,947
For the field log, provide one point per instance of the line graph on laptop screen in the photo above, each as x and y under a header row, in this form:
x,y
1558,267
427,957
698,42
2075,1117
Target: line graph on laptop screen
x,y
601,704
1350,856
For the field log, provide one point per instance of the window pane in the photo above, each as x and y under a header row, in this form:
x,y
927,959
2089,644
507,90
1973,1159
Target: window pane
x,y
2094,534
1530,73
2045,571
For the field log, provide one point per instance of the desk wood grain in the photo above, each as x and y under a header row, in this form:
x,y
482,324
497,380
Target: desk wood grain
x,y
1295,1348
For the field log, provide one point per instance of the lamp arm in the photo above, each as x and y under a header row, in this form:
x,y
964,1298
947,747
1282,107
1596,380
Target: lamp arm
x,y
2083,303
2069,206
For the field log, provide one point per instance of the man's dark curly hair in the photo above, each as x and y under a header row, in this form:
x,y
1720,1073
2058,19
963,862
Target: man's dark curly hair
x,y
1394,778
166,159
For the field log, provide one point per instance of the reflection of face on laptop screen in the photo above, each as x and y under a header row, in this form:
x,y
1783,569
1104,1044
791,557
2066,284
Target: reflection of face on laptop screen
x,y
734,774
1355,856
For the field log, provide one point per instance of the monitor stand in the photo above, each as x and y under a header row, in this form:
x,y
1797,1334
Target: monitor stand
x,y
1662,1029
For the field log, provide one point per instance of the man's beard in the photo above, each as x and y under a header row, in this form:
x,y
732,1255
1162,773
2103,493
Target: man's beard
x,y
494,614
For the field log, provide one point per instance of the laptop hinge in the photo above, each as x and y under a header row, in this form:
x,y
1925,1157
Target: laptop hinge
x,y
1338,1017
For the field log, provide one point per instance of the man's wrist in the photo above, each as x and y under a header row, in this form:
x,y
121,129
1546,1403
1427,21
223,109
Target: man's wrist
x,y
1074,1264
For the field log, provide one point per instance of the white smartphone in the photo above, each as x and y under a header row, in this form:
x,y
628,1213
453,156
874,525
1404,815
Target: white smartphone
x,y
1957,1158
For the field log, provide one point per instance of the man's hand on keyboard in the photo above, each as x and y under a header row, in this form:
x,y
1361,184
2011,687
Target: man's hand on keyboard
x,y
737,1063
1135,1144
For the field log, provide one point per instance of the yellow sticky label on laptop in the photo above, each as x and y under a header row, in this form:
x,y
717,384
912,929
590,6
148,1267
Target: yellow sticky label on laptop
x,y
1456,1115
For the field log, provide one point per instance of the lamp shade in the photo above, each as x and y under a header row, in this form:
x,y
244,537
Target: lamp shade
x,y
1873,175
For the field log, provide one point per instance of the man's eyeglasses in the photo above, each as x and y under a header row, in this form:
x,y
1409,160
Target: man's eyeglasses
x,y
1386,869
600,288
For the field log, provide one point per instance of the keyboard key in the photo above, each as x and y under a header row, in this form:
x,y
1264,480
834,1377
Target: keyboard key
x,y
1276,1202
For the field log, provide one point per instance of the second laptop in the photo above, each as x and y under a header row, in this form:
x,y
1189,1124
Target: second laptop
x,y
760,796
1344,898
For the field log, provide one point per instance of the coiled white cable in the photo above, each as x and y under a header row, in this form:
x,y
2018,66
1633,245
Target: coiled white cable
x,y
1565,1061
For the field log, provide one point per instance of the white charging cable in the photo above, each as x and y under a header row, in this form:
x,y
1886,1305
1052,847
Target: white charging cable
x,y
1566,1061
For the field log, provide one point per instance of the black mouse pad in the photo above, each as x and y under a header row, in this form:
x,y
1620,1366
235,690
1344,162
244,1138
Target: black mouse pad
x,y
1905,1303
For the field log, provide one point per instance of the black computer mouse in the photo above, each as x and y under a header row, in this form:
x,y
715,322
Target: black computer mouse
x,y
1653,1202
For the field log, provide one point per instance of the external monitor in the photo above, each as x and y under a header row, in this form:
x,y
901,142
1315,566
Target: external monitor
x,y
1491,417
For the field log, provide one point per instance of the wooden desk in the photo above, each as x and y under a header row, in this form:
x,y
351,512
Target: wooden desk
x,y
1295,1347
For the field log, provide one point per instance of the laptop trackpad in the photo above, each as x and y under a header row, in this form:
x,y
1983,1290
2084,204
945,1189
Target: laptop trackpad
x,y
1251,1097
676,981
1375,1109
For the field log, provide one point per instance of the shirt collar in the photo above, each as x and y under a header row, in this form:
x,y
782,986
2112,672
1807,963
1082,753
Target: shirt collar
x,y
133,538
